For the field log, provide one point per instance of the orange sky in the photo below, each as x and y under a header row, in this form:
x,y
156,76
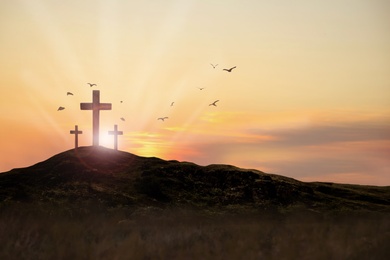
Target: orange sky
x,y
309,99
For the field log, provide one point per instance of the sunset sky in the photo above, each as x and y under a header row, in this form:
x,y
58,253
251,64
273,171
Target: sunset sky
x,y
309,99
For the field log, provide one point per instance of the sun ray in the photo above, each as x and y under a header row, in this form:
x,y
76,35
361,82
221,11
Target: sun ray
x,y
56,41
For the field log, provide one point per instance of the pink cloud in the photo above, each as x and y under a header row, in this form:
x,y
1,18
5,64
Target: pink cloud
x,y
353,152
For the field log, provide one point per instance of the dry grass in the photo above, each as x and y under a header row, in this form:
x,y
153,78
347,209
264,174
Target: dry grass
x,y
93,204
179,234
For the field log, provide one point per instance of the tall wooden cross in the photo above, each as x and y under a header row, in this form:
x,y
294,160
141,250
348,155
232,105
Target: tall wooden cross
x,y
115,133
95,106
76,133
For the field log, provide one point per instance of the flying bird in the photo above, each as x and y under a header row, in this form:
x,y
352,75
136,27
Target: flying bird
x,y
121,101
172,103
201,88
69,93
91,84
214,103
60,108
230,70
122,119
214,65
162,118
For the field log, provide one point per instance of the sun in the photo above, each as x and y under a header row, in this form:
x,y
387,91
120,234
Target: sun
x,y
106,140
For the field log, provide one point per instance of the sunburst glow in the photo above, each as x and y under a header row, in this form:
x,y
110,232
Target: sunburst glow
x,y
309,78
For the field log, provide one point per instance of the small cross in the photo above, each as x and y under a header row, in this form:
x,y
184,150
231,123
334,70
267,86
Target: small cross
x,y
115,133
95,106
76,133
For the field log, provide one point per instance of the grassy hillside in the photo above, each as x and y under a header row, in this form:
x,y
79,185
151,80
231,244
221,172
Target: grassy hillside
x,y
97,203
97,175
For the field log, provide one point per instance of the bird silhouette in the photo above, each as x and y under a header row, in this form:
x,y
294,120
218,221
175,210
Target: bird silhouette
x,y
214,103
201,88
60,108
122,119
162,118
172,103
230,70
91,84
214,65
69,93
121,101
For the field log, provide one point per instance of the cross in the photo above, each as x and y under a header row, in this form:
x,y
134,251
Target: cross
x,y
95,106
76,133
115,133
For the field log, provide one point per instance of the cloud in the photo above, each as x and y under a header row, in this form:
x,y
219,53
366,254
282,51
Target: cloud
x,y
354,151
320,134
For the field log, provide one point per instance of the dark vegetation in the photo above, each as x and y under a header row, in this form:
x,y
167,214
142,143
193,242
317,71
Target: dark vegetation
x,y
118,179
153,233
98,203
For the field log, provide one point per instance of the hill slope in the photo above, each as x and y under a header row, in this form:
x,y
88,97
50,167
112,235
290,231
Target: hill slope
x,y
98,175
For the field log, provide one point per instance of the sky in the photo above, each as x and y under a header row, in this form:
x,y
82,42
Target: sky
x,y
309,97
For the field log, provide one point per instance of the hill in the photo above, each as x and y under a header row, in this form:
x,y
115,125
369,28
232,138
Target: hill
x,y
116,179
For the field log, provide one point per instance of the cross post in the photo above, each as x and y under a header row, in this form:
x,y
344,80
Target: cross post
x,y
115,133
76,133
95,106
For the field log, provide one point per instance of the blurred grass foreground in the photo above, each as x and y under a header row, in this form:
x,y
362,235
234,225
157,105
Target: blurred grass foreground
x,y
153,233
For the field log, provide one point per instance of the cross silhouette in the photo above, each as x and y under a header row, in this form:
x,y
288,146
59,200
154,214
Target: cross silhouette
x,y
95,106
115,133
76,133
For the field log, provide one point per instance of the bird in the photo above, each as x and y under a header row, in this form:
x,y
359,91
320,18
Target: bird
x,y
172,103
69,93
201,88
162,118
60,108
214,103
121,101
214,65
122,119
230,70
91,84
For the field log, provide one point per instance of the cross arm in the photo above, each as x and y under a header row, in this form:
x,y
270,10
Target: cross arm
x,y
86,106
115,132
105,106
